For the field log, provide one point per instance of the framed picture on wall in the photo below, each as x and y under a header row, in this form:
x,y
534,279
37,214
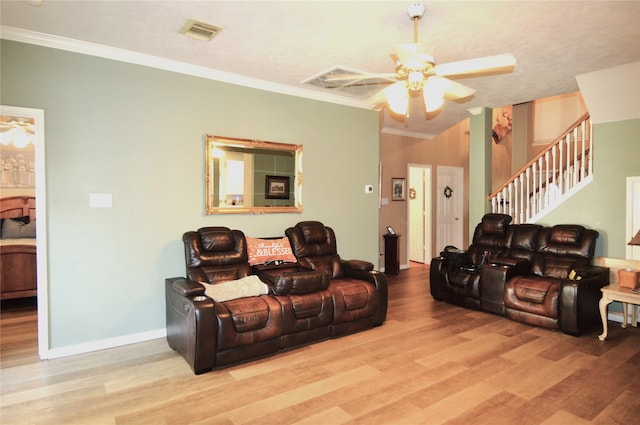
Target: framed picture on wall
x,y
277,187
398,189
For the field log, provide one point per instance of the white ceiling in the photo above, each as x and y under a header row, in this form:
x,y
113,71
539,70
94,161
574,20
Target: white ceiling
x,y
277,45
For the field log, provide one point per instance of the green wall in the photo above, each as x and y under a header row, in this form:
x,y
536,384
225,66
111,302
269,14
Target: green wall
x,y
138,133
602,204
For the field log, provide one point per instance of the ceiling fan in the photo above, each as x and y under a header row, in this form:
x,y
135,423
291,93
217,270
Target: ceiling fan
x,y
417,73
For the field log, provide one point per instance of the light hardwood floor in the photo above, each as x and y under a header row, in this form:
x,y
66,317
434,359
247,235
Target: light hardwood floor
x,y
430,363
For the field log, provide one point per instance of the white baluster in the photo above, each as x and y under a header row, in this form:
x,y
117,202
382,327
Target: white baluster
x,y
575,156
529,193
567,140
560,169
590,129
516,204
540,187
554,192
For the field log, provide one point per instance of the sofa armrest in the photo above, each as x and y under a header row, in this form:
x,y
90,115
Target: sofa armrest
x,y
493,278
186,287
437,276
578,300
363,270
191,323
361,265
519,265
295,280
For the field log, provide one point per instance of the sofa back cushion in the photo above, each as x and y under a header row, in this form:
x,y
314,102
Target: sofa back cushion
x,y
489,237
215,254
562,248
522,240
314,245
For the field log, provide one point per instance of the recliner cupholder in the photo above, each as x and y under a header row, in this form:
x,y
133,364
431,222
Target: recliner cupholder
x,y
199,298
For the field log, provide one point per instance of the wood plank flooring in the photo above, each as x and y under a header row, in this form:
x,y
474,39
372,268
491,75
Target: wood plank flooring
x,y
430,363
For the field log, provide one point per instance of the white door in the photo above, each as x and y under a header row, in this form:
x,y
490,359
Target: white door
x,y
419,238
450,188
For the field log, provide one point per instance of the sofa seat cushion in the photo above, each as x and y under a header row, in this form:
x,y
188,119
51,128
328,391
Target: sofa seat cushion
x,y
307,311
248,320
464,283
533,295
353,299
248,314
532,290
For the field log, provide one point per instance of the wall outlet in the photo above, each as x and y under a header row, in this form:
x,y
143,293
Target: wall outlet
x,y
368,188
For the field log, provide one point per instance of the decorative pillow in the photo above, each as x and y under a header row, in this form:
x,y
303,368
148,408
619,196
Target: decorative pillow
x,y
264,250
14,229
25,219
249,286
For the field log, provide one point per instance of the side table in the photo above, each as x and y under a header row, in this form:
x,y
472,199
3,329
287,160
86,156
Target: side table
x,y
391,254
626,296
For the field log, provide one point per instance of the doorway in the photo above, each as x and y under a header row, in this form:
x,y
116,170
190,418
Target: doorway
x,y
419,211
37,115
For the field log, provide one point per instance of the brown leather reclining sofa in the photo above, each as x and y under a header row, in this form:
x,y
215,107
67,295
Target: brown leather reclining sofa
x,y
542,276
319,297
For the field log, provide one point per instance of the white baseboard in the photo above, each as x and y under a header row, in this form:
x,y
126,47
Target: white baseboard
x,y
103,344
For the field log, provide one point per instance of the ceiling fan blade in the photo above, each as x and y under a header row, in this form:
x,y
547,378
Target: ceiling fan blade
x,y
453,89
498,63
347,77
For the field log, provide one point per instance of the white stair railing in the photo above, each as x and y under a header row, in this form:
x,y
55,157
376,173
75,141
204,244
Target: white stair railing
x,y
542,183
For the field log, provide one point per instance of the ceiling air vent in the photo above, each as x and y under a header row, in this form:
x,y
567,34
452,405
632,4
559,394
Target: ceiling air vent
x,y
200,30
361,89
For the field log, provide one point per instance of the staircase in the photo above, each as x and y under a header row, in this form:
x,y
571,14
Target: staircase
x,y
562,169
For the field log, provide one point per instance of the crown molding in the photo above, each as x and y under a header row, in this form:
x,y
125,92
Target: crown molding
x,y
122,55
406,133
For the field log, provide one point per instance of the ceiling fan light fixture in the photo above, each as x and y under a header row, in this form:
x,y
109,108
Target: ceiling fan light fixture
x,y
415,80
398,98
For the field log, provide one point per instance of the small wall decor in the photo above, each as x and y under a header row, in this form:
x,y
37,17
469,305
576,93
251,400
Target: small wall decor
x,y
398,189
277,187
448,192
412,193
502,127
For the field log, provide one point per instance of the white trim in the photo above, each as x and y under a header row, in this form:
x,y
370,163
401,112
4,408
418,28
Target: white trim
x,y
103,344
575,189
98,50
633,216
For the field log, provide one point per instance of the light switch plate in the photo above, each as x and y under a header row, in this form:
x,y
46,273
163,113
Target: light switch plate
x,y
100,200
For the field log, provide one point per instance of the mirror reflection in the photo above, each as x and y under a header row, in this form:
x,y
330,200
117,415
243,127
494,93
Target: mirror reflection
x,y
252,176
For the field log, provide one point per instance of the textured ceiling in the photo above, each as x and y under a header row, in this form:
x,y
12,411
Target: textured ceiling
x,y
280,44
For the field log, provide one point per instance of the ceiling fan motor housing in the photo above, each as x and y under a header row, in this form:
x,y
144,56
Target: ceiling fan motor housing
x,y
416,10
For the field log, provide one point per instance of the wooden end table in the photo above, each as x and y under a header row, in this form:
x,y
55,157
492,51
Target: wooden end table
x,y
626,296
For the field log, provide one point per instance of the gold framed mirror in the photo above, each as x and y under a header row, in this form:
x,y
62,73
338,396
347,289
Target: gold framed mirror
x,y
252,176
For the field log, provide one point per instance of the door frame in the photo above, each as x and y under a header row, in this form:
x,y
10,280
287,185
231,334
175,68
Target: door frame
x,y
42,272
